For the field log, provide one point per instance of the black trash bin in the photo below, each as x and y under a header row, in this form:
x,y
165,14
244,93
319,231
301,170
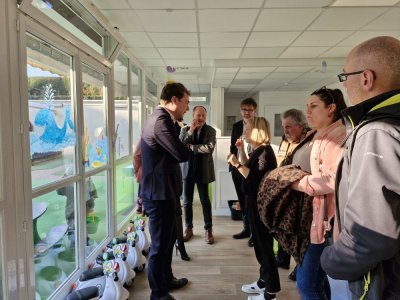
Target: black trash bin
x,y
235,213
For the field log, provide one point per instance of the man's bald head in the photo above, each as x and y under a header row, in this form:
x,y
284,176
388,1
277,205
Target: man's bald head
x,y
377,63
381,55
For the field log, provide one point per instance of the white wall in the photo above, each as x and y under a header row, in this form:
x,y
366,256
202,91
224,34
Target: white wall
x,y
232,108
217,113
223,188
273,103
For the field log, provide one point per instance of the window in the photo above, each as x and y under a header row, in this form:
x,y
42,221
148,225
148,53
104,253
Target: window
x,y
1,256
70,197
126,185
1,226
121,103
151,88
95,141
54,238
126,191
136,83
151,96
73,16
96,211
51,112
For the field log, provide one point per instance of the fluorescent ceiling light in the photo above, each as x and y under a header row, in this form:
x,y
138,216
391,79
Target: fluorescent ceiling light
x,y
198,99
364,3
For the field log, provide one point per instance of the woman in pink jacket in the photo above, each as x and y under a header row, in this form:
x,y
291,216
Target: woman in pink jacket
x,y
321,157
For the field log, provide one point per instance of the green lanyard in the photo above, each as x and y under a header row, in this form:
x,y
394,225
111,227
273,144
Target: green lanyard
x,y
367,282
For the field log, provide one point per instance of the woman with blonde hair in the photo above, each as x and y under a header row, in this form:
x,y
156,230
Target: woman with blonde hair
x,y
261,160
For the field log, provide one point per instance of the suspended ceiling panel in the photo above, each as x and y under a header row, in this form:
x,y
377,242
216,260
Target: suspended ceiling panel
x,y
252,45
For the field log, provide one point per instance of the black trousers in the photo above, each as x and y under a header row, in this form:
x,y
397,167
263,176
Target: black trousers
x,y
283,257
162,229
237,182
188,191
263,248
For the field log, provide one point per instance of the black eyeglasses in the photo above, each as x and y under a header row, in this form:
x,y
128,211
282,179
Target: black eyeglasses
x,y
343,76
320,91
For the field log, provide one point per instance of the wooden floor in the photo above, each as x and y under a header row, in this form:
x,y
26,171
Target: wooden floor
x,y
215,271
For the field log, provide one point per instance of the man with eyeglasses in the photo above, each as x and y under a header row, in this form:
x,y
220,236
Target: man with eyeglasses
x,y
367,250
248,108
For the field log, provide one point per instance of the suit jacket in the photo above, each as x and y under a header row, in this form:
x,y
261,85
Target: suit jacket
x,y
200,165
162,151
237,131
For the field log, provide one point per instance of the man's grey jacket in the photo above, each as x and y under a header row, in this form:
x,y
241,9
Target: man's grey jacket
x,y
368,196
200,165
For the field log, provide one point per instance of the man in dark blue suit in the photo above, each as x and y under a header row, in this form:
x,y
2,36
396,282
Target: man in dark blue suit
x,y
162,151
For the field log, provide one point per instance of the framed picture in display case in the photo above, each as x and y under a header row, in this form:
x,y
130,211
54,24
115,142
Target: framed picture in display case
x,y
278,130
273,114
230,120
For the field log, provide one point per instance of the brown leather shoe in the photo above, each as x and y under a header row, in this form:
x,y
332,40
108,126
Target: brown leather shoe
x,y
208,237
187,235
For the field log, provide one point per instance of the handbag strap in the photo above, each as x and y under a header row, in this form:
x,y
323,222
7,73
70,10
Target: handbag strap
x,y
326,225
